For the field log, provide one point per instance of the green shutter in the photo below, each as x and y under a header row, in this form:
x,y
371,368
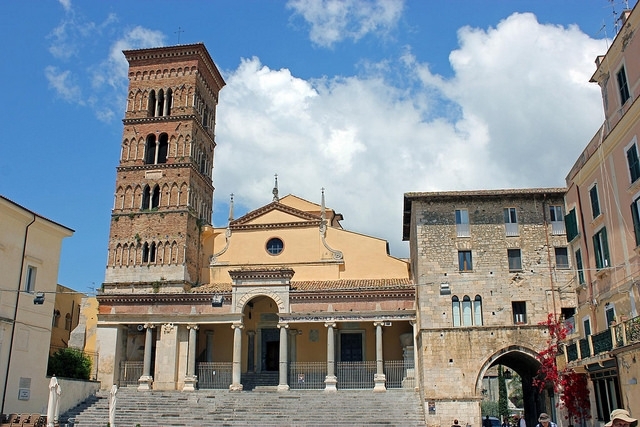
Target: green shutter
x,y
636,221
571,224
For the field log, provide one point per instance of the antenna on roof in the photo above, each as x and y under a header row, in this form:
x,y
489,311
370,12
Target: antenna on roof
x,y
275,190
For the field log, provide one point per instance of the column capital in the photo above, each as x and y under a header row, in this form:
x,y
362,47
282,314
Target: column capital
x,y
378,323
330,324
149,326
237,326
283,325
193,326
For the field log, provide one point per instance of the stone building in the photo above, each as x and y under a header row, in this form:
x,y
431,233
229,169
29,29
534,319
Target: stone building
x,y
30,246
282,297
603,229
489,266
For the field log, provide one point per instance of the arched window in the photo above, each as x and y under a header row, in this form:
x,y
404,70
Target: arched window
x,y
163,148
145,252
152,252
146,197
160,103
155,197
56,318
169,102
455,308
150,150
67,322
477,310
151,106
467,319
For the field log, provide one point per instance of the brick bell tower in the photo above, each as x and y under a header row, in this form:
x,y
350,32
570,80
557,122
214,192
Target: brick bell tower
x,y
164,190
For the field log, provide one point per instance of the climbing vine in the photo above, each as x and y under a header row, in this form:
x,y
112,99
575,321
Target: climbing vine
x,y
572,385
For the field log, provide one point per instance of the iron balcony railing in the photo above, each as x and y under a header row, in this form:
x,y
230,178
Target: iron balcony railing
x,y
620,334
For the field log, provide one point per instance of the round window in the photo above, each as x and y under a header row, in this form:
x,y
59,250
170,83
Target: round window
x,y
275,246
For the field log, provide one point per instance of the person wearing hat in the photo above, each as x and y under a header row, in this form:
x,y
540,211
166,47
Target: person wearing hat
x,y
544,420
621,418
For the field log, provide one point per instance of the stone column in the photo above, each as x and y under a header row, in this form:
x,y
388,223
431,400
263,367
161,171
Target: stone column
x,y
251,363
282,383
191,379
237,354
379,378
209,335
145,381
331,380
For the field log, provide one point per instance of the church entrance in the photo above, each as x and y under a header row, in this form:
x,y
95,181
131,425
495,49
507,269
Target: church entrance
x,y
270,349
351,347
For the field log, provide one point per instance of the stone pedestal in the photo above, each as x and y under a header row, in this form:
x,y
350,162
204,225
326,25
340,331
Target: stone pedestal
x,y
283,387
145,382
190,382
330,383
379,381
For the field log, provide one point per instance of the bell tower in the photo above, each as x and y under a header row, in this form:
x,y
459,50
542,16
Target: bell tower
x,y
164,190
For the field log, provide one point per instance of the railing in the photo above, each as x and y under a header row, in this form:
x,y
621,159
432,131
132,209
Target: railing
x,y
130,372
627,332
399,375
355,375
572,352
463,230
512,229
602,342
558,228
585,349
307,375
215,375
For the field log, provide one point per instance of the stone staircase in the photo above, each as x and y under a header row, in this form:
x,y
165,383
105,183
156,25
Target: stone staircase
x,y
206,408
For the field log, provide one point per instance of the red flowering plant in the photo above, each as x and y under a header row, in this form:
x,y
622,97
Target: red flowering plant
x,y
572,385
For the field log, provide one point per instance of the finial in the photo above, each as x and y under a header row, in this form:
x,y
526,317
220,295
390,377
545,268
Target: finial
x,y
231,209
275,190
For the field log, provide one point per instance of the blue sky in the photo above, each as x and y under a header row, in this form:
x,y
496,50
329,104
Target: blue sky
x,y
367,99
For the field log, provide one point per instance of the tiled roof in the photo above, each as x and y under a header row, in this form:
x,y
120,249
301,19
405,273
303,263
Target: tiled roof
x,y
323,285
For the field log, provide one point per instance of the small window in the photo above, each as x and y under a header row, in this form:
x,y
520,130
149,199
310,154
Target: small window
x,y
519,309
30,280
275,246
511,222
601,249
595,203
462,223
557,220
464,261
586,326
633,163
515,259
579,267
610,314
623,85
635,215
562,258
56,318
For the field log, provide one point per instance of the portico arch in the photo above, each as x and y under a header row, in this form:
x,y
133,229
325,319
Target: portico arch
x,y
524,361
244,296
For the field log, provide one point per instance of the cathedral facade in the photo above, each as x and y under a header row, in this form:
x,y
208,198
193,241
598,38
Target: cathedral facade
x,y
282,297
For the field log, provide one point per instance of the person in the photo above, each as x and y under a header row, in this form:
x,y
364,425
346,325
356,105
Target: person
x,y
544,420
455,423
522,422
621,418
505,423
486,422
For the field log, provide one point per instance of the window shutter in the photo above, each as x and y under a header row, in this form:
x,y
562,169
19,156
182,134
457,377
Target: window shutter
x,y
572,225
636,222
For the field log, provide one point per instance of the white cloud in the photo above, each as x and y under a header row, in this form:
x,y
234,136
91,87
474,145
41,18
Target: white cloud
x,y
63,84
518,111
335,20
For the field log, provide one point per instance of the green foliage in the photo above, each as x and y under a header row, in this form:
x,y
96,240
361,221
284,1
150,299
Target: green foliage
x,y
515,391
489,407
503,404
69,363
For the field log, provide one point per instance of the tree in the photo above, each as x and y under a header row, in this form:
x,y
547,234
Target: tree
x,y
503,405
571,385
515,391
69,363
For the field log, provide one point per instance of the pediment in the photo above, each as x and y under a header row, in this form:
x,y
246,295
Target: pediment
x,y
275,214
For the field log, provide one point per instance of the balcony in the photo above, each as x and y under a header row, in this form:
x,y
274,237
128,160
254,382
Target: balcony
x,y
617,336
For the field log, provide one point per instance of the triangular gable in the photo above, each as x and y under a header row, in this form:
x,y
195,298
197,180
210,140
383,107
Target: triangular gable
x,y
275,213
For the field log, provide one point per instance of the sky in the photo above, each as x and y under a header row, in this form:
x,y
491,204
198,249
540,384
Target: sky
x,y
366,99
